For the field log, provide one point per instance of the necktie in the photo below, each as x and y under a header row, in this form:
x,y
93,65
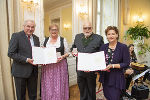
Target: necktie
x,y
29,40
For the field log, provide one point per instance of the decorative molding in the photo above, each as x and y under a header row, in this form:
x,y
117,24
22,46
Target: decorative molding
x,y
126,12
56,14
72,70
75,18
57,4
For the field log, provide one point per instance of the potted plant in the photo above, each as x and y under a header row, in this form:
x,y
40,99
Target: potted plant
x,y
138,33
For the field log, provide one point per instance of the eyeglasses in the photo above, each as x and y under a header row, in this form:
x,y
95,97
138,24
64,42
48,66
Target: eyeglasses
x,y
87,28
54,30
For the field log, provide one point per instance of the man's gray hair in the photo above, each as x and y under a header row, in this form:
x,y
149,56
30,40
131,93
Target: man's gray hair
x,y
29,20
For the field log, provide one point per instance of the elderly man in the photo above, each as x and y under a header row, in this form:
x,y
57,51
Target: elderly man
x,y
87,42
24,71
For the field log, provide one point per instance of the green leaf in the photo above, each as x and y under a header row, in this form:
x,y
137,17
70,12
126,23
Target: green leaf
x,y
140,31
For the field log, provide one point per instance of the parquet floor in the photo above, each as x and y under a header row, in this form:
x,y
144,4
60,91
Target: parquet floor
x,y
74,93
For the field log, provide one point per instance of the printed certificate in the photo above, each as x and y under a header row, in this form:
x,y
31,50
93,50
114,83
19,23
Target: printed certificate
x,y
44,55
91,61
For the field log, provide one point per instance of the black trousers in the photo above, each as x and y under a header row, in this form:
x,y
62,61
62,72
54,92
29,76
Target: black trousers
x,y
29,83
146,76
87,85
128,81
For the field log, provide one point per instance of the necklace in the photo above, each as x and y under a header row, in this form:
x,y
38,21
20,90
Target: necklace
x,y
112,46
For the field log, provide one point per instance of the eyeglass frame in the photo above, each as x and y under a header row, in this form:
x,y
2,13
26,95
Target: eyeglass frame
x,y
56,30
87,28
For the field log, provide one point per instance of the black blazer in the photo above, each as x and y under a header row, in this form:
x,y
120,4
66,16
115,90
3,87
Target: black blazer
x,y
19,50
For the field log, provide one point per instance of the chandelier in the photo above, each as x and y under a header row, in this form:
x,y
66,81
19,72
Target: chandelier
x,y
29,4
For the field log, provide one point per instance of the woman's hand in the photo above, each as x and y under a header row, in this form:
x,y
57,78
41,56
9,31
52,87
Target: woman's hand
x,y
129,71
59,59
108,67
62,57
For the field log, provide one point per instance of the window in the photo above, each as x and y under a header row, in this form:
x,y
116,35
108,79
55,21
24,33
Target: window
x,y
107,14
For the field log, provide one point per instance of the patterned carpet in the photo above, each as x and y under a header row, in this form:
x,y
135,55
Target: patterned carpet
x,y
75,95
100,96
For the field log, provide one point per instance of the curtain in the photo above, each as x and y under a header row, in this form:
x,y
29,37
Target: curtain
x,y
6,81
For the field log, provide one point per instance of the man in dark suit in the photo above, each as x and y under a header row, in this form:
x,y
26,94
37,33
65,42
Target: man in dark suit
x,y
24,71
87,42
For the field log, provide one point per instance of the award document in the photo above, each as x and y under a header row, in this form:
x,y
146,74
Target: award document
x,y
91,61
44,55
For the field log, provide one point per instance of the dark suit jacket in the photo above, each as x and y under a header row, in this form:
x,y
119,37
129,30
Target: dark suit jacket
x,y
116,76
19,50
92,47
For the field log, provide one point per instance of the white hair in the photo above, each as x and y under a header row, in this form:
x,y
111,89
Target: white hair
x,y
29,20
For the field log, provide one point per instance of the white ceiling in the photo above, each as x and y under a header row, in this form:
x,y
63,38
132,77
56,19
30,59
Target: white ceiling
x,y
50,4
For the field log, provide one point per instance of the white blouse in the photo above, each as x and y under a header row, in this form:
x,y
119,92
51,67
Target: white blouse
x,y
57,44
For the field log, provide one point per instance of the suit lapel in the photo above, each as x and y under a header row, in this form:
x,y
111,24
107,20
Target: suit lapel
x,y
35,40
25,39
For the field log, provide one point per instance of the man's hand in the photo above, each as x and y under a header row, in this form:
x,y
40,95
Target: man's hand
x,y
30,61
43,47
87,71
74,52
